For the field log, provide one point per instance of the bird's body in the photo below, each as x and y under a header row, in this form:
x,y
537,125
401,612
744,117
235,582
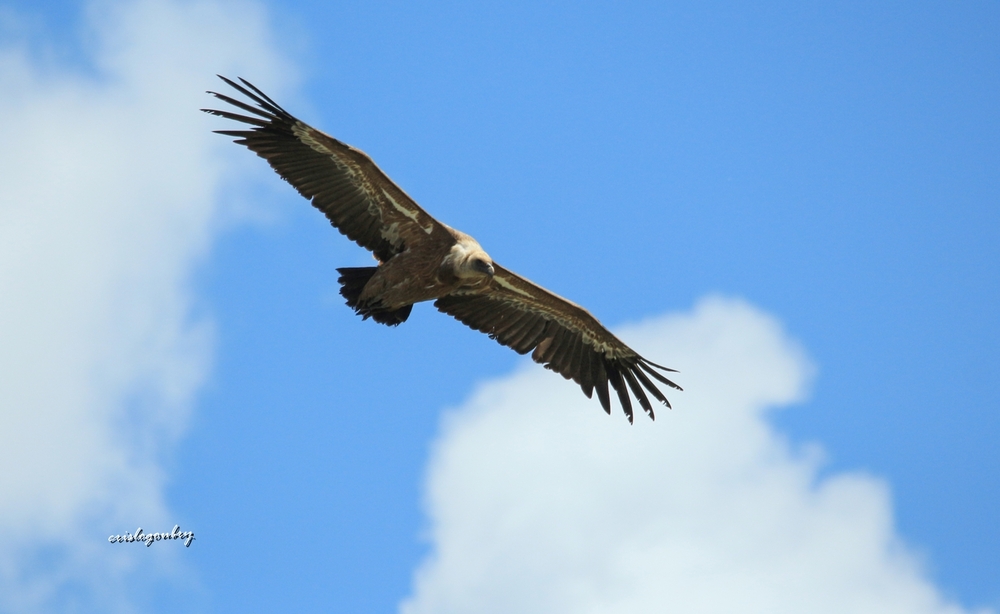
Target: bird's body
x,y
420,259
416,275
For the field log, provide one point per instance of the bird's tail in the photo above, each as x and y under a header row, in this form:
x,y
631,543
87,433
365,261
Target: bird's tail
x,y
352,281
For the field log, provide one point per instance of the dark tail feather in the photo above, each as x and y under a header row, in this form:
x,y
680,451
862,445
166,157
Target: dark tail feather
x,y
352,281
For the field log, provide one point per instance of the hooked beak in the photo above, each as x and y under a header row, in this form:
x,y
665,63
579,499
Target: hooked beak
x,y
484,267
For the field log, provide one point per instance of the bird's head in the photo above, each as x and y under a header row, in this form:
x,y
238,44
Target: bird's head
x,y
470,262
476,265
482,264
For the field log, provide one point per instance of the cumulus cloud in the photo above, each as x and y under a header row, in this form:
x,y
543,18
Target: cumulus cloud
x,y
109,195
538,502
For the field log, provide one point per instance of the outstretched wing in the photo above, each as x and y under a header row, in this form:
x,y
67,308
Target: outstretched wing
x,y
564,336
341,181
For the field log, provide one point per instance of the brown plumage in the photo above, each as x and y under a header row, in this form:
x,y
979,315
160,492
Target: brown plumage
x,y
421,259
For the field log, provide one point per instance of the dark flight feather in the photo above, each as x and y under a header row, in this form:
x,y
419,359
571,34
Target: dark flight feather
x,y
568,329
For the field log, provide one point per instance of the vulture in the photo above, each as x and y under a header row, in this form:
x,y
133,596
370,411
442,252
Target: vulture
x,y
421,259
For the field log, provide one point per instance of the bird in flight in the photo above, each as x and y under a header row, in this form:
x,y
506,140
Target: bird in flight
x,y
421,259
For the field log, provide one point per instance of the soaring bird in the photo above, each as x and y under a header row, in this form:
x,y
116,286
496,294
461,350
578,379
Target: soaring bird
x,y
421,259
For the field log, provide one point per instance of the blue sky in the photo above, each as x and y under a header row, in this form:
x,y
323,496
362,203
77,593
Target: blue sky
x,y
830,174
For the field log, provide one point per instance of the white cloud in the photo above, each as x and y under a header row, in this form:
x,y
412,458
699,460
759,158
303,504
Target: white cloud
x,y
109,196
538,502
